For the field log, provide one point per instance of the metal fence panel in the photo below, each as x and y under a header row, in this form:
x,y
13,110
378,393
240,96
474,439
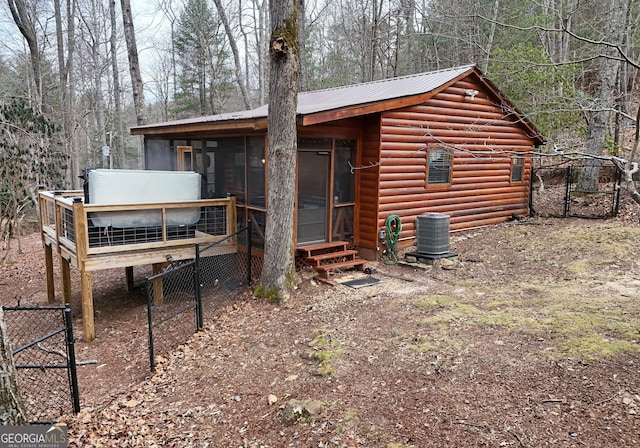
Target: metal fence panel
x,y
224,274
43,352
171,304
186,294
555,194
548,197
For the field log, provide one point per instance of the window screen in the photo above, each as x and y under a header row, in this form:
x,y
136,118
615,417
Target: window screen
x,y
439,170
517,166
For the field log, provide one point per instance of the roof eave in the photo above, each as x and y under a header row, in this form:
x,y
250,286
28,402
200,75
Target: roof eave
x,y
254,124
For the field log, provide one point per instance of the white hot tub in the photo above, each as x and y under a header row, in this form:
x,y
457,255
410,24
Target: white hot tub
x,y
124,187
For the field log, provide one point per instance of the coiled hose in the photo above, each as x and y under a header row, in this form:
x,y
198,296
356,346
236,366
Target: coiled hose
x,y
393,227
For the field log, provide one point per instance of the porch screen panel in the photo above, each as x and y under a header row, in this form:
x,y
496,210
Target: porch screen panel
x,y
256,172
313,169
158,155
344,190
225,173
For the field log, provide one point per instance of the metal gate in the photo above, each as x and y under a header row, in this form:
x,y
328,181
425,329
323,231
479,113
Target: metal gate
x,y
172,297
180,297
554,193
43,351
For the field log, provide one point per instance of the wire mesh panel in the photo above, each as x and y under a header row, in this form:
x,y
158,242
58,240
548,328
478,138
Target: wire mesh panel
x,y
185,294
549,191
172,307
601,203
49,214
68,226
555,193
117,228
224,270
42,346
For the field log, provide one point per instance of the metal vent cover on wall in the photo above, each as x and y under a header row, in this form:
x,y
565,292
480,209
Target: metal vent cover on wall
x,y
432,233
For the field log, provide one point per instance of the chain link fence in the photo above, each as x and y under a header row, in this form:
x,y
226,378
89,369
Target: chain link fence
x,y
555,192
185,294
172,307
44,355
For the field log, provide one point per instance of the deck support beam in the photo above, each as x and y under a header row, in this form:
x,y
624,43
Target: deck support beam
x,y
66,280
158,293
88,324
48,262
129,273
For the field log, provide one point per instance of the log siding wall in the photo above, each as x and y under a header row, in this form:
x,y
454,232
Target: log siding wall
x,y
368,180
480,192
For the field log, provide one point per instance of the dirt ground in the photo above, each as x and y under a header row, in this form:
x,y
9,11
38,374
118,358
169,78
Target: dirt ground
x,y
530,338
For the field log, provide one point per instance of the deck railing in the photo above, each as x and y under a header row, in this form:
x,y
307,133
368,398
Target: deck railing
x,y
95,230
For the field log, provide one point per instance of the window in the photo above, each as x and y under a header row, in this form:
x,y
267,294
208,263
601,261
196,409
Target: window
x,y
517,167
439,169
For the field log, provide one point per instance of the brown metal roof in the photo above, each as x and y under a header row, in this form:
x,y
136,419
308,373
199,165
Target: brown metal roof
x,y
376,91
353,100
336,98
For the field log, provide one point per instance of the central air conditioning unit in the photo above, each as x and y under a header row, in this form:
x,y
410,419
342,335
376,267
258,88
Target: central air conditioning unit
x,y
432,234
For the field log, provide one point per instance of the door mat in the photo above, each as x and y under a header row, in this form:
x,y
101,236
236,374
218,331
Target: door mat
x,y
361,282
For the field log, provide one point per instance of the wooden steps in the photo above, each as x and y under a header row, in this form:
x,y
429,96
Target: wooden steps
x,y
329,258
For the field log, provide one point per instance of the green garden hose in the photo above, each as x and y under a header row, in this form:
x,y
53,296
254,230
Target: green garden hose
x,y
393,226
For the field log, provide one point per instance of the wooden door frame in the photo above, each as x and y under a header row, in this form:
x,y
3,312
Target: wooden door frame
x,y
180,152
329,192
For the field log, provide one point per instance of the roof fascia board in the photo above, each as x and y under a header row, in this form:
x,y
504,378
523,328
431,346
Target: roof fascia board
x,y
245,125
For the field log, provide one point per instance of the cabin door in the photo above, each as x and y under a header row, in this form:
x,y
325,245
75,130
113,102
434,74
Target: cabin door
x,y
313,196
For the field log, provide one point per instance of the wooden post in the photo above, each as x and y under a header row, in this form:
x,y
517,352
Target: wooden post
x,y
231,216
129,273
87,306
82,246
66,281
158,294
48,262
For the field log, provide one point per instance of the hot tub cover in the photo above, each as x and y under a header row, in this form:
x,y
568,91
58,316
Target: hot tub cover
x,y
119,187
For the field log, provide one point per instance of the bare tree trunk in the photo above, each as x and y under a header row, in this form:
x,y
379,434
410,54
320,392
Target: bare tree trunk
x,y
629,167
117,144
604,97
11,408
567,19
410,61
95,31
24,20
302,38
492,32
134,65
622,101
263,49
259,11
283,100
371,66
245,42
65,88
236,54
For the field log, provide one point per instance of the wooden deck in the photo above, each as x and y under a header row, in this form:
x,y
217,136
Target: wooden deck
x,y
67,228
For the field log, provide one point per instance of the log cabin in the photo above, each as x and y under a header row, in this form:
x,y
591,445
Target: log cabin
x,y
446,141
